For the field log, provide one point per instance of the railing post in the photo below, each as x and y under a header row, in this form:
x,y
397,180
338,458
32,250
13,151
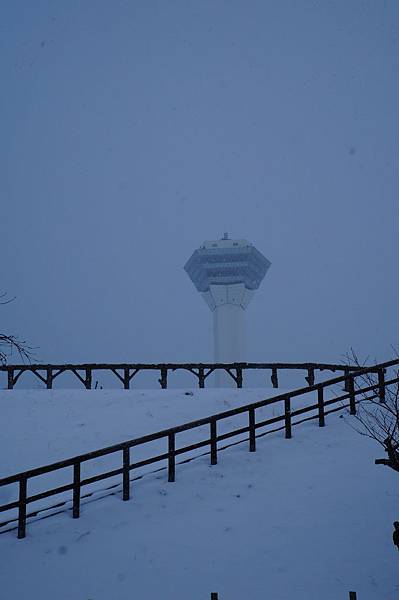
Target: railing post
x,y
126,378
346,384
214,458
22,507
381,384
287,417
274,377
252,439
76,491
126,474
239,377
320,402
214,596
49,379
164,378
10,374
351,391
88,379
310,377
352,595
171,457
201,377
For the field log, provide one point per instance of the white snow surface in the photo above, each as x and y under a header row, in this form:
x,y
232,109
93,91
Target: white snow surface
x,y
50,425
309,517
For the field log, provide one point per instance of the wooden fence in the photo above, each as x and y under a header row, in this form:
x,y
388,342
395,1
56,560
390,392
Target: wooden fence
x,y
215,596
125,372
349,399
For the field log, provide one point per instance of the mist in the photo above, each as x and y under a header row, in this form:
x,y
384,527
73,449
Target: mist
x,y
133,131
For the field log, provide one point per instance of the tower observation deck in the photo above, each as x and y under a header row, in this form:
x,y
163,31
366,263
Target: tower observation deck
x,y
227,272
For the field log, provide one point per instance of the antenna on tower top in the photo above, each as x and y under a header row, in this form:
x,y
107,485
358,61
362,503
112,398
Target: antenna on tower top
x,y
226,236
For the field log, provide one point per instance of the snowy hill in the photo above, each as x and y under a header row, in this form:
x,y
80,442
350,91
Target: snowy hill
x,y
309,517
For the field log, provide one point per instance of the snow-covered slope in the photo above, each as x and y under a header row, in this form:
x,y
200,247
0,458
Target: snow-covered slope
x,y
304,518
46,426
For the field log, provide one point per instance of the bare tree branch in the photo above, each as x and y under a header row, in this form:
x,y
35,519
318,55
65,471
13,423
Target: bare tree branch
x,y
378,417
10,344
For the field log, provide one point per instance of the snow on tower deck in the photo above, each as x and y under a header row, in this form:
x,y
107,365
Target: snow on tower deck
x,y
225,262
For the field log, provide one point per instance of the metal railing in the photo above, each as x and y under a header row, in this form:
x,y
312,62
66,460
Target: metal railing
x,y
125,372
351,387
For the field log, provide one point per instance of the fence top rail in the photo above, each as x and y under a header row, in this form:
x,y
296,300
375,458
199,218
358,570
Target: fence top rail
x,y
240,365
190,425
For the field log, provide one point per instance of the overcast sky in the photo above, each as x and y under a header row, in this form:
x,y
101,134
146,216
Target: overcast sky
x,y
131,131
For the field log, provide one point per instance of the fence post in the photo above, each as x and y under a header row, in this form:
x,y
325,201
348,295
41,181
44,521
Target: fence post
x,y
214,596
10,373
126,474
352,595
274,377
201,377
239,377
346,384
252,439
88,379
214,458
381,384
310,377
287,415
76,491
126,378
164,378
351,391
49,379
171,457
22,508
320,402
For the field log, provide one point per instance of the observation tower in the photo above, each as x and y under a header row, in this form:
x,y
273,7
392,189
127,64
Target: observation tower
x,y
227,272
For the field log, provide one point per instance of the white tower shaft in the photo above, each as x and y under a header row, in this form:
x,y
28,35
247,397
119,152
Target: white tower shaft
x,y
229,334
228,303
229,339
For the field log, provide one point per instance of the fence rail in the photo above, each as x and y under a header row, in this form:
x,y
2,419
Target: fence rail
x,y
215,596
125,372
349,400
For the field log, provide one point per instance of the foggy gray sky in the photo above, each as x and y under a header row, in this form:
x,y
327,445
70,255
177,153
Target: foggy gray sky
x,y
132,131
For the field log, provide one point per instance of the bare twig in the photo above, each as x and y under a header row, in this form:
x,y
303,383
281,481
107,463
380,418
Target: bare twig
x,y
378,417
12,343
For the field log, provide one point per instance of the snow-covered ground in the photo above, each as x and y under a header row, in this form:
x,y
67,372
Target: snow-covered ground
x,y
48,426
309,517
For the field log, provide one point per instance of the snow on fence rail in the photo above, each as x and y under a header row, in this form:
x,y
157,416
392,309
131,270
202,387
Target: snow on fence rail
x,y
125,372
351,387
